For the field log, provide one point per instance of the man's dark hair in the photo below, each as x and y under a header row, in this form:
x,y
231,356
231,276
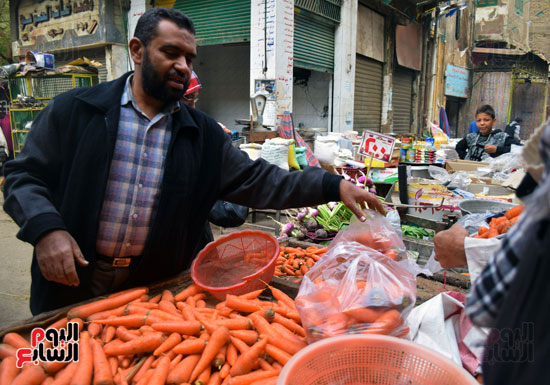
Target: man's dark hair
x,y
147,25
486,109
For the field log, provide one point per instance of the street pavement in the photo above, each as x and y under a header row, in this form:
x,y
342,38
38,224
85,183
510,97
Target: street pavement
x,y
15,274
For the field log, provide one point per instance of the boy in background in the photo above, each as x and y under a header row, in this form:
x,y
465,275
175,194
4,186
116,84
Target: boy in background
x,y
487,142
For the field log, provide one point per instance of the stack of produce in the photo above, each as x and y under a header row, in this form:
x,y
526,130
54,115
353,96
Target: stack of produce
x,y
500,225
417,232
424,155
130,338
295,261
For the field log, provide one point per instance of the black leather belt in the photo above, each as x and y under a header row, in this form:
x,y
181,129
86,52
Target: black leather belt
x,y
119,262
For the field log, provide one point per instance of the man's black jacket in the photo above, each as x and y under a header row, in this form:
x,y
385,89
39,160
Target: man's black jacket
x,y
58,182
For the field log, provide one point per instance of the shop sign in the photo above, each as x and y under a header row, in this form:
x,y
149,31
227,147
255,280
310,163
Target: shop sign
x,y
377,145
456,81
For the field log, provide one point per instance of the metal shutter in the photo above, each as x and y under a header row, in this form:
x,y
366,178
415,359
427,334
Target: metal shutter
x,y
367,108
313,42
218,21
401,99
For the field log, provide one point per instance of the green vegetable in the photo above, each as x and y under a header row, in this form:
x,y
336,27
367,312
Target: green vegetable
x,y
416,232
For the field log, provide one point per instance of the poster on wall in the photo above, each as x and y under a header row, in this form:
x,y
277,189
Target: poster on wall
x,y
267,87
377,145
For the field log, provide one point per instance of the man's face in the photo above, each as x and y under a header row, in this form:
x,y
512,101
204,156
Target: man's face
x,y
485,123
167,62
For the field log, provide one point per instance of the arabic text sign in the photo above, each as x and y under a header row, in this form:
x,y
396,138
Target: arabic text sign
x,y
377,145
456,81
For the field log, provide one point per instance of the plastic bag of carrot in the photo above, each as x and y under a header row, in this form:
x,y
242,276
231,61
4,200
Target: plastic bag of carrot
x,y
132,338
358,289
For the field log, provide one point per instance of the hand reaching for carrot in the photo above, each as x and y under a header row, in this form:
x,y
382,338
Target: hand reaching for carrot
x,y
351,196
56,253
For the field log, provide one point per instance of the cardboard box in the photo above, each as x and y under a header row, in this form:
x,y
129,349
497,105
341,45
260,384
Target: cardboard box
x,y
464,165
489,189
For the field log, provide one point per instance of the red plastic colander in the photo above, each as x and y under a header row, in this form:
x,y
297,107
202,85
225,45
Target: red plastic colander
x,y
236,263
369,360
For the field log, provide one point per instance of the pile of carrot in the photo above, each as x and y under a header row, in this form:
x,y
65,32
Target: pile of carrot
x,y
500,225
131,338
296,261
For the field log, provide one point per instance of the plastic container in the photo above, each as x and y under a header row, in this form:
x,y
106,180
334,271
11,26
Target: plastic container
x,y
371,359
481,206
236,263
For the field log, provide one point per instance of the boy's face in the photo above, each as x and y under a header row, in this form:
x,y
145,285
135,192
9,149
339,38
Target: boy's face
x,y
485,123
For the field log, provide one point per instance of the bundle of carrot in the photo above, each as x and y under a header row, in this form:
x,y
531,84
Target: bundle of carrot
x,y
296,261
500,225
130,338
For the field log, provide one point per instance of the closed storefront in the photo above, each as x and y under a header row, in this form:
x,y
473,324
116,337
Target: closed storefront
x,y
402,99
216,21
313,42
368,94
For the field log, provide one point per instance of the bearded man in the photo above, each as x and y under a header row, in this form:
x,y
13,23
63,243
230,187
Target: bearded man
x,y
115,182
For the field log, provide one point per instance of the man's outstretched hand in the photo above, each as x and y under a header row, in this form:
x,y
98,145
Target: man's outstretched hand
x,y
56,252
351,195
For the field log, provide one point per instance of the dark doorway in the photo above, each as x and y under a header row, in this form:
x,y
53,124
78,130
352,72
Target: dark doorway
x,y
452,107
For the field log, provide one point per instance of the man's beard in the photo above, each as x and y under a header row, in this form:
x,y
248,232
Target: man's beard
x,y
155,85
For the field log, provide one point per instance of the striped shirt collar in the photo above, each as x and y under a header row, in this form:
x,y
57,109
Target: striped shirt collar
x,y
128,98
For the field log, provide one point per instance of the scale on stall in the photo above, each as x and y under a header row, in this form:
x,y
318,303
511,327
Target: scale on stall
x,y
257,132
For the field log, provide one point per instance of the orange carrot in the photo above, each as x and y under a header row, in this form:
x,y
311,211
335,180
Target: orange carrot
x,y
364,314
190,346
94,329
215,379
240,304
264,364
144,368
125,334
85,368
252,294
161,372
30,375
113,363
169,307
231,354
263,327
145,344
289,324
248,336
277,354
245,363
155,299
287,334
386,323
282,297
102,369
182,372
218,339
224,371
268,381
234,323
7,351
15,340
514,212
130,321
204,376
167,296
241,346
219,360
169,343
110,332
64,376
122,378
83,311
8,370
253,377
117,312
190,291
182,327
145,379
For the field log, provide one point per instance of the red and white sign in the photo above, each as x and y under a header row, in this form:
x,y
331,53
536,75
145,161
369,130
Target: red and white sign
x,y
377,145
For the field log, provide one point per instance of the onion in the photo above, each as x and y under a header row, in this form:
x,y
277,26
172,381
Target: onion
x,y
287,228
282,237
332,205
361,179
372,190
313,212
301,215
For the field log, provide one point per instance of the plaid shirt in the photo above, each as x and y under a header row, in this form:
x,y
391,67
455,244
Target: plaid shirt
x,y
132,192
490,289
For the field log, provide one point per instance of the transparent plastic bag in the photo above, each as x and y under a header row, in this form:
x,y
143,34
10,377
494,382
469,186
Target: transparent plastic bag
x,y
377,233
355,289
502,166
458,179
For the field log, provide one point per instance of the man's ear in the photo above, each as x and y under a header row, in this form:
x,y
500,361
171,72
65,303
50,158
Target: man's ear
x,y
136,50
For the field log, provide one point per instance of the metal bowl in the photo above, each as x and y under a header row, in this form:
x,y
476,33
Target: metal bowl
x,y
481,206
